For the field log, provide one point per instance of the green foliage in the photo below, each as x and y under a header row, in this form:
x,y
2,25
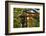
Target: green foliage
x,y
17,12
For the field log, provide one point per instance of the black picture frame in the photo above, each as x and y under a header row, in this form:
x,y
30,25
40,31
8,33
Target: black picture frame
x,y
6,18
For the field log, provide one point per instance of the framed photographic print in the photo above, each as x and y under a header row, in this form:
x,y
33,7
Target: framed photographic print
x,y
24,17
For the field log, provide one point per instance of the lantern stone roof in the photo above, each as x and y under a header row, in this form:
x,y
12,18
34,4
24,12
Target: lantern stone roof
x,y
31,10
